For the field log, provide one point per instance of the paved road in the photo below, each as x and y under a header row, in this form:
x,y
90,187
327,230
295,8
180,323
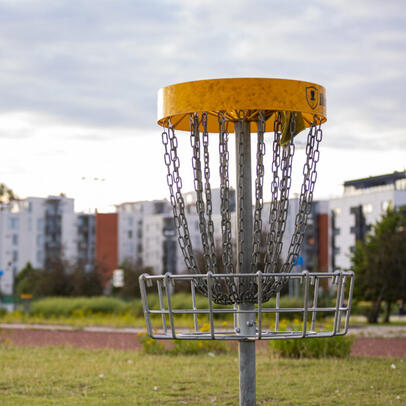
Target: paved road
x,y
383,341
370,331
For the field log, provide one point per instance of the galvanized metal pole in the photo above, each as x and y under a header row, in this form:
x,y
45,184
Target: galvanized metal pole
x,y
244,221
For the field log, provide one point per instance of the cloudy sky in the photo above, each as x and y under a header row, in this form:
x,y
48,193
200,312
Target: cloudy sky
x,y
78,84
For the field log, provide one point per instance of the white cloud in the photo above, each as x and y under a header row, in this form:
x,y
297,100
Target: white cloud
x,y
81,76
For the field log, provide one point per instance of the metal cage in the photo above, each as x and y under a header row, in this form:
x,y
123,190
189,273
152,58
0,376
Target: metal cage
x,y
205,320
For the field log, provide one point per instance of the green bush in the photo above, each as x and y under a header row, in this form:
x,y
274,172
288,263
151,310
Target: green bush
x,y
337,346
363,308
66,307
183,347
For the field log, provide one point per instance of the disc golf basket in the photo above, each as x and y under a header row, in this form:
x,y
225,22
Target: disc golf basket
x,y
245,283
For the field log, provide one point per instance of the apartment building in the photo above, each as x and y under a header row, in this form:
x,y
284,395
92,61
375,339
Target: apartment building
x,y
131,216
362,204
35,230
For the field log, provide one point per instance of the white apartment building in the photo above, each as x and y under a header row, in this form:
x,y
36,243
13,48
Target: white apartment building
x,y
161,249
131,217
32,230
363,203
160,245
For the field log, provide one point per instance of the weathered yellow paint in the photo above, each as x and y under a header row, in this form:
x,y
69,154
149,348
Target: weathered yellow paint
x,y
239,96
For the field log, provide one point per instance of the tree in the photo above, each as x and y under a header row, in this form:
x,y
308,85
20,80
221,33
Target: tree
x,y
85,282
131,286
26,280
6,194
379,263
54,279
59,278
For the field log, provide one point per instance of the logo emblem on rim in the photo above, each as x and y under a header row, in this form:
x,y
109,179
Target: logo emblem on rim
x,y
312,96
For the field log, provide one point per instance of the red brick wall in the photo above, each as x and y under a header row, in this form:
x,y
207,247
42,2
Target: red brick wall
x,y
107,243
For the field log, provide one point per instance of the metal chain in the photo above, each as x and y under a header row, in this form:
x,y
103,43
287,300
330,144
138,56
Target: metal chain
x,y
314,138
283,206
174,181
273,211
259,186
279,208
241,199
198,185
225,290
207,188
224,196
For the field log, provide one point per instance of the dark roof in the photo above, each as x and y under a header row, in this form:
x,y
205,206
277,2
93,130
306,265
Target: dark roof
x,y
381,180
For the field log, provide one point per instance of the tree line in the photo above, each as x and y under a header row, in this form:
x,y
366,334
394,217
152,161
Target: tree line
x,y
60,277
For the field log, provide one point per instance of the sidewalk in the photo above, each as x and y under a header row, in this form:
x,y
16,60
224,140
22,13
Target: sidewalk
x,y
369,331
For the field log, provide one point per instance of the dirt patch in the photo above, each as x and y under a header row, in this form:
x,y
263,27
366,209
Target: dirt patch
x,y
379,347
363,347
84,339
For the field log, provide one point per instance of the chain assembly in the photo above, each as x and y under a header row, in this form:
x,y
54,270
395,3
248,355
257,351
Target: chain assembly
x,y
174,182
266,246
198,185
314,138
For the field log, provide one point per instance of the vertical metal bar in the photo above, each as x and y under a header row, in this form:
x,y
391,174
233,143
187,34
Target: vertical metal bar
x,y
337,301
192,288
315,300
347,317
147,316
259,273
168,297
161,304
341,301
305,299
246,320
277,307
209,296
235,316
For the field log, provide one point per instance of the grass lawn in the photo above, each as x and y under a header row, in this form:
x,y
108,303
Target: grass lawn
x,y
73,376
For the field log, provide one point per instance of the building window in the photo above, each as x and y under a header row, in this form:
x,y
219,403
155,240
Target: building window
x,y
15,256
367,208
130,221
130,234
15,208
385,205
15,239
40,225
13,223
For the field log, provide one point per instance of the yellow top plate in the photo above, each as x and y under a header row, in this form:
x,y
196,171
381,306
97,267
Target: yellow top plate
x,y
238,97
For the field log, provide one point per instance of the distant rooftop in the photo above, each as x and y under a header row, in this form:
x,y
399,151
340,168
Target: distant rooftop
x,y
373,181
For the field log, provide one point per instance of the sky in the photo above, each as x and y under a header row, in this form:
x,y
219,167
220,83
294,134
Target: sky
x,y
79,82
